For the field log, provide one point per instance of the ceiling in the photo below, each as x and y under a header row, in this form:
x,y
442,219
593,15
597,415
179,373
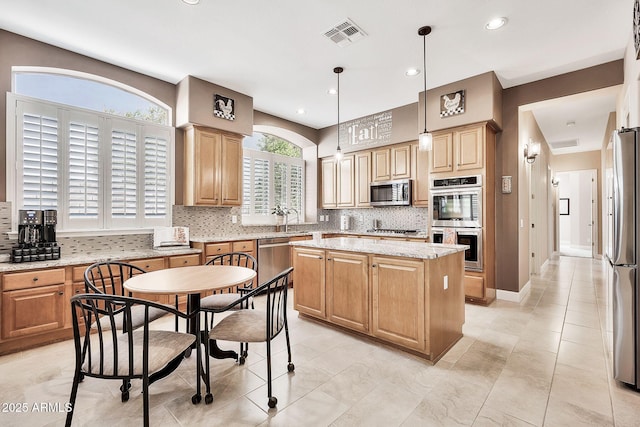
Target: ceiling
x,y
275,51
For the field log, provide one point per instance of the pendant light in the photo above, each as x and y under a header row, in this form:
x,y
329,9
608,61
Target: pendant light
x,y
425,139
338,70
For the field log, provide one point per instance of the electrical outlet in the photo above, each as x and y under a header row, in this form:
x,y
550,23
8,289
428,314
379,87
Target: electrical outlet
x,y
234,219
446,282
361,217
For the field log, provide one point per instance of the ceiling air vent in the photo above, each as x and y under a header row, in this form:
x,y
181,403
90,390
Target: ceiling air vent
x,y
344,33
563,144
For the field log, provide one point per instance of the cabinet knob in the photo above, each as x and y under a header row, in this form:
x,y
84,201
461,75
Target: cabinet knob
x,y
35,279
374,265
61,293
328,259
185,261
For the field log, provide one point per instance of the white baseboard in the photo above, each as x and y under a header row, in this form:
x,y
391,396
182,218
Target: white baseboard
x,y
514,296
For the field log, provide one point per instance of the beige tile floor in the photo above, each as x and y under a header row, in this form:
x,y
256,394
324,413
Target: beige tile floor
x,y
543,362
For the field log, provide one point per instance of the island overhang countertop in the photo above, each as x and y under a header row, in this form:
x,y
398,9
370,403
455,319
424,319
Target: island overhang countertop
x,y
407,249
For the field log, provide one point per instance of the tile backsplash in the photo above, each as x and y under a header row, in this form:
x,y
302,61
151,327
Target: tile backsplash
x,y
210,222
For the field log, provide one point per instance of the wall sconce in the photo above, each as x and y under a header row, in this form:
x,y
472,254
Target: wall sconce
x,y
531,151
555,181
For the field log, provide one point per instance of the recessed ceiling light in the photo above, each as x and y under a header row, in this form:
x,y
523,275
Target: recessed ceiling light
x,y
301,111
496,23
191,2
412,72
571,123
332,91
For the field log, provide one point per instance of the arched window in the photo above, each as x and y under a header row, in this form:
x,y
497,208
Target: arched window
x,y
273,175
96,150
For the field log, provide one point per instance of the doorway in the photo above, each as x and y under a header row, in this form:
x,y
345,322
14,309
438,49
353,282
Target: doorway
x,y
576,213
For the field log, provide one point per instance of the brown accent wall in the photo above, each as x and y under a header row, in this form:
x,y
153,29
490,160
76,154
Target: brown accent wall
x,y
509,154
16,50
264,119
195,106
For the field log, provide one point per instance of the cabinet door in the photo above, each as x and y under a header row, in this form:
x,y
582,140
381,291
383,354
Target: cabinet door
x,y
231,171
469,144
363,178
151,264
329,183
398,301
381,165
309,281
442,153
348,290
401,162
420,163
33,311
346,197
207,168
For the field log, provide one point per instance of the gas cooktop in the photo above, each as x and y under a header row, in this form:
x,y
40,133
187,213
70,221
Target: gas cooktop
x,y
391,231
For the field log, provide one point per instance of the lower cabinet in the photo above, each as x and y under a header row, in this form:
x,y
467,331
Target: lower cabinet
x,y
33,302
398,301
309,281
347,299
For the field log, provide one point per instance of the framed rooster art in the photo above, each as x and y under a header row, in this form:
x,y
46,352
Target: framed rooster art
x,y
224,107
452,103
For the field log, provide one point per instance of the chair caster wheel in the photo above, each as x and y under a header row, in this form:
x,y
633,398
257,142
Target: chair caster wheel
x,y
196,398
125,396
241,360
273,402
291,367
208,398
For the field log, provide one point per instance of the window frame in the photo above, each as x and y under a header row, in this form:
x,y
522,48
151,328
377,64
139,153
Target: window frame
x,y
104,225
252,218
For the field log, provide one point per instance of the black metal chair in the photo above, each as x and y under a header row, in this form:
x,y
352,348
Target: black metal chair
x,y
221,300
103,350
257,325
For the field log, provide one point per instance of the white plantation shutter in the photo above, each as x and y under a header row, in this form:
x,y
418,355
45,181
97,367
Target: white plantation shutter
x,y
99,171
39,153
123,174
84,170
156,186
269,180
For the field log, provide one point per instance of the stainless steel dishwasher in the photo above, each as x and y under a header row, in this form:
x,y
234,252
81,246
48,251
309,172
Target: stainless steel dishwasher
x,y
273,257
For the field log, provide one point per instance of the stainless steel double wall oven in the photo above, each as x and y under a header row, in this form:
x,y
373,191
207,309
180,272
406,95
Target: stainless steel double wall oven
x,y
457,208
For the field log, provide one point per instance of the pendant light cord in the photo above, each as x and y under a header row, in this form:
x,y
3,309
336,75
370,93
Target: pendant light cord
x,y
338,127
424,69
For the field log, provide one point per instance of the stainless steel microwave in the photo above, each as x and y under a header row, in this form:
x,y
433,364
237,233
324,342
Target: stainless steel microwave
x,y
390,193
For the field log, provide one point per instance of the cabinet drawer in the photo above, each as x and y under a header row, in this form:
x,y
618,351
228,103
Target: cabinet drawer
x,y
474,286
148,265
243,246
33,279
217,248
78,273
184,260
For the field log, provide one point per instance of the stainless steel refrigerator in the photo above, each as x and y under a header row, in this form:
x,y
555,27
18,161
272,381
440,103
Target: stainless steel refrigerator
x,y
622,254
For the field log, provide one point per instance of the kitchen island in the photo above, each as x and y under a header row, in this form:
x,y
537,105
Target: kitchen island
x,y
407,294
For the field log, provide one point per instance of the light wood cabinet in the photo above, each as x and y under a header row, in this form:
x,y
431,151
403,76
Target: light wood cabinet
x,y
398,301
420,173
148,265
309,281
458,150
33,302
338,182
212,168
347,284
391,163
363,178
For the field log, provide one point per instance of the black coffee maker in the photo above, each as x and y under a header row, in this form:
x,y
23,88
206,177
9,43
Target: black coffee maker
x,y
36,236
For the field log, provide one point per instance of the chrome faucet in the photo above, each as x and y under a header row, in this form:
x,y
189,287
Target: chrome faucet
x,y
286,218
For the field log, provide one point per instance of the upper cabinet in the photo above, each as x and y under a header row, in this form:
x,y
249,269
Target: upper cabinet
x,y
212,167
458,150
338,182
420,174
391,163
363,178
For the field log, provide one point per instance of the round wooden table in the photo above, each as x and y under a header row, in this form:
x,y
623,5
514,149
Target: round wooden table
x,y
193,280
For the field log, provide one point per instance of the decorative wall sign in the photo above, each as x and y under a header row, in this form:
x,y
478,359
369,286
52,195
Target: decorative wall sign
x,y
636,27
367,131
223,107
452,104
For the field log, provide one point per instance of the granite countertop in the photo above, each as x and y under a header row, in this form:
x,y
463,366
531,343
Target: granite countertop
x,y
90,258
295,233
384,247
